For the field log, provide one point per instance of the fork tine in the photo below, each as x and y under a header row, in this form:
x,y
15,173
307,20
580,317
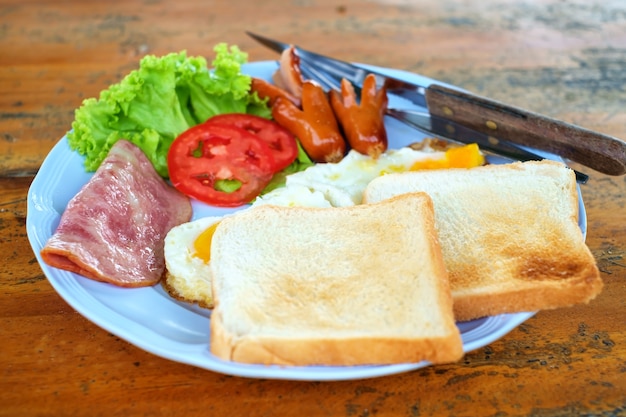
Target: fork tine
x,y
331,70
329,77
313,73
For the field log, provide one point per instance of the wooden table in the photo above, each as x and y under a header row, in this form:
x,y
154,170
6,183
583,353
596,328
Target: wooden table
x,y
566,60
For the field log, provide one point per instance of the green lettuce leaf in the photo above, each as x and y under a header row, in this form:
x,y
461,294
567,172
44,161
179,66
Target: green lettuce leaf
x,y
279,179
164,97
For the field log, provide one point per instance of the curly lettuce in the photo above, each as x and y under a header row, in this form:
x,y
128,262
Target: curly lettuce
x,y
164,97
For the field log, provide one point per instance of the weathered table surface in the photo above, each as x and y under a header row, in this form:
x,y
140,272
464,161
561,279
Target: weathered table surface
x,y
563,59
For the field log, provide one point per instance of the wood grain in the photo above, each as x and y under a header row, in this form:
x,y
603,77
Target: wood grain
x,y
562,59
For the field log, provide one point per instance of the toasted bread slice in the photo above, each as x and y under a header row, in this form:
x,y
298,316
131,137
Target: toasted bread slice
x,y
332,286
509,235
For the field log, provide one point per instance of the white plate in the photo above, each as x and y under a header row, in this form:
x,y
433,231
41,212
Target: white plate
x,y
149,319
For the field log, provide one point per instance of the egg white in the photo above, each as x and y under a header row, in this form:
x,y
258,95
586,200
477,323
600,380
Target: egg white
x,y
342,183
293,196
187,276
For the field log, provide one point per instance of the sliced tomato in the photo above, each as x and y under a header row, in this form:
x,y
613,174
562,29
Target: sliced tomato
x,y
205,155
279,139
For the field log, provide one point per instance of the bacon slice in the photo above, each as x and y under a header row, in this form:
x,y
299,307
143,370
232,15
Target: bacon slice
x,y
114,229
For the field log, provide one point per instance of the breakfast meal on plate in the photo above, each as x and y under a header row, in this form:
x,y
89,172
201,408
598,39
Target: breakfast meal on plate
x,y
335,286
113,229
334,249
509,235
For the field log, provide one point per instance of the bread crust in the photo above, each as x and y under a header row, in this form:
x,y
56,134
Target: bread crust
x,y
533,297
331,351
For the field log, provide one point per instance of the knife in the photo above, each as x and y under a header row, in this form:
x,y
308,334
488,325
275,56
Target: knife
x,y
449,130
497,120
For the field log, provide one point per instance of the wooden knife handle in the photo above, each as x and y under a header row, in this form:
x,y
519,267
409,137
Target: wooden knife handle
x,y
602,153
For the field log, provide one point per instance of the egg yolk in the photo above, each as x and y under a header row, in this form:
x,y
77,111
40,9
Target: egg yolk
x,y
202,244
467,156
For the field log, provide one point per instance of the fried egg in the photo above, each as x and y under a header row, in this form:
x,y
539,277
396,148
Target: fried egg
x,y
187,255
342,183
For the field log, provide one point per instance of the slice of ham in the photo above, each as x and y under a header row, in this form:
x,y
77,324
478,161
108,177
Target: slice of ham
x,y
114,229
289,76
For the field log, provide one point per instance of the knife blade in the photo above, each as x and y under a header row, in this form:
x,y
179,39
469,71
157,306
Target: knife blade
x,y
600,152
